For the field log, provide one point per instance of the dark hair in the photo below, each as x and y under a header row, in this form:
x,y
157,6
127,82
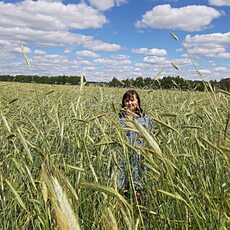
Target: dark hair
x,y
130,93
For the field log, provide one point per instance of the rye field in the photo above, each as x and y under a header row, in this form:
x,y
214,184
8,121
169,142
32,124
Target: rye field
x,y
58,150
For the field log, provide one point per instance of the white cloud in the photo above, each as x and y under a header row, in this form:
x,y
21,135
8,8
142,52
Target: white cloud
x,y
165,64
208,39
87,54
43,38
90,44
119,57
38,16
89,68
103,4
220,69
54,58
104,61
206,51
223,55
154,52
85,63
179,50
4,57
141,65
166,17
68,50
43,65
4,43
204,71
54,38
26,49
34,22
155,60
219,2
106,4
39,52
210,45
112,62
184,55
211,62
99,46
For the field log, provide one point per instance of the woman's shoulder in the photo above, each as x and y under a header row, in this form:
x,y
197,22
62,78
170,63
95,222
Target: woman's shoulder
x,y
145,115
145,120
120,118
122,114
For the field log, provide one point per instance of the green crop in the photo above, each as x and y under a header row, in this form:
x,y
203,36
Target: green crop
x,y
58,148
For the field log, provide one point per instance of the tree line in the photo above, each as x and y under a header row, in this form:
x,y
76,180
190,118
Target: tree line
x,y
168,82
59,80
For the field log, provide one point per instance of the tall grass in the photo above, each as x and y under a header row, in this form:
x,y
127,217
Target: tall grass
x,y
59,146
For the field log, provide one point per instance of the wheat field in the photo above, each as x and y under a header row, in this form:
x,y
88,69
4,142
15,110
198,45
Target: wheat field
x,y
59,146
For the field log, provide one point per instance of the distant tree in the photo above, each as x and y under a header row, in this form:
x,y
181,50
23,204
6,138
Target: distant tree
x,y
116,83
166,83
148,82
127,82
181,83
198,85
156,83
139,82
225,84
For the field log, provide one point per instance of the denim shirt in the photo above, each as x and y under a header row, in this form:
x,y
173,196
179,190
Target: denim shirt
x,y
132,136
135,140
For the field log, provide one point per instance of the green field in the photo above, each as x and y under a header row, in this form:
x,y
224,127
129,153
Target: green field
x,y
59,144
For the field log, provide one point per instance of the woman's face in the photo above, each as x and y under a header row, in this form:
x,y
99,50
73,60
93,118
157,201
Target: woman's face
x,y
131,103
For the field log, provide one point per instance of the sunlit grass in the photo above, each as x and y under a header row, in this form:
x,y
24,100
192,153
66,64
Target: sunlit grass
x,y
70,136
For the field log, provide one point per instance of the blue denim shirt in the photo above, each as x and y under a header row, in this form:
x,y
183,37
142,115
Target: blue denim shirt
x,y
136,160
132,136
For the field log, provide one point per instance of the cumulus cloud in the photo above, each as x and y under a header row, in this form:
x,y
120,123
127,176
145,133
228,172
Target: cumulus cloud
x,y
89,68
205,71
210,45
155,60
119,56
26,49
38,16
87,54
104,5
99,46
220,69
85,63
206,51
166,17
34,22
43,38
219,2
154,52
4,43
39,52
112,62
165,64
209,39
222,55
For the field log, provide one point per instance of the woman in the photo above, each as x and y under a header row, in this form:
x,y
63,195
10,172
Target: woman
x,y
131,110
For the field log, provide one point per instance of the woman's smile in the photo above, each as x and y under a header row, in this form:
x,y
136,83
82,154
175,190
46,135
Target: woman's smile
x,y
131,103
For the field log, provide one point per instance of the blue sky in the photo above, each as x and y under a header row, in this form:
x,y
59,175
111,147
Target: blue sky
x,y
102,39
